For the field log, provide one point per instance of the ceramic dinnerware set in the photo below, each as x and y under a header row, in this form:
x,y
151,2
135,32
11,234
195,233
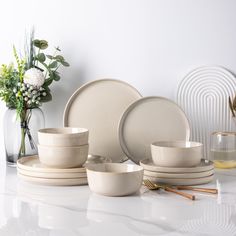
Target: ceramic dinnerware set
x,y
63,155
177,163
151,131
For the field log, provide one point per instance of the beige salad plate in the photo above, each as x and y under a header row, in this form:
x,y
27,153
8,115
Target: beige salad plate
x,y
148,120
98,106
205,165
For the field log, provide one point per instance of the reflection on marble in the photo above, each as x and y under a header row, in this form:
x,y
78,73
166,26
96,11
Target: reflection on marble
x,y
28,209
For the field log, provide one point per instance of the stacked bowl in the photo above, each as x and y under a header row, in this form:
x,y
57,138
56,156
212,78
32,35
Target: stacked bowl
x,y
177,163
62,153
63,147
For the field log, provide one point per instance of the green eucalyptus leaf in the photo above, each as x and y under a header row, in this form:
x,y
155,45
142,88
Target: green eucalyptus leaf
x,y
41,57
47,82
54,75
53,64
36,43
47,89
57,77
59,58
43,44
46,98
49,57
64,63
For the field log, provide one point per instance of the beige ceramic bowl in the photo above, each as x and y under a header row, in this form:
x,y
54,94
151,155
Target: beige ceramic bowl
x,y
114,179
63,137
63,157
176,153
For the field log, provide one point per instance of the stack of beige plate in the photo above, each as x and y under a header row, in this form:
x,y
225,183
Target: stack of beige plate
x,y
32,170
201,174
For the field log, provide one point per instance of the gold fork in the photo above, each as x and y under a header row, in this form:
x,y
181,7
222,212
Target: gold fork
x,y
152,186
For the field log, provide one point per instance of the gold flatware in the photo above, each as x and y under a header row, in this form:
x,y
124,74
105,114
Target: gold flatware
x,y
204,190
152,186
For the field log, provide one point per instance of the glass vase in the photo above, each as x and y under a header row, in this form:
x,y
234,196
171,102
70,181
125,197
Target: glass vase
x,y
21,133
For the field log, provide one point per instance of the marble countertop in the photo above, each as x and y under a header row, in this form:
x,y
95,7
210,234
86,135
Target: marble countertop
x,y
28,209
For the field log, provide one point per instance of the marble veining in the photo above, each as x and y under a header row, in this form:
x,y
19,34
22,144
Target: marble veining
x,y
29,209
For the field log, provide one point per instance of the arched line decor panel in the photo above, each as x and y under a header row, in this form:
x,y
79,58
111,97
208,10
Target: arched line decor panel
x,y
203,95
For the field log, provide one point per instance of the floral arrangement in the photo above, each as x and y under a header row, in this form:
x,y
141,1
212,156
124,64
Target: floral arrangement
x,y
25,85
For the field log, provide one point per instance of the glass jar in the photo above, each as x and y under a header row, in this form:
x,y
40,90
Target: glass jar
x,y
21,133
223,149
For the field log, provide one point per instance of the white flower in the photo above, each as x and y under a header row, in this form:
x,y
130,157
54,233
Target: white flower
x,y
34,77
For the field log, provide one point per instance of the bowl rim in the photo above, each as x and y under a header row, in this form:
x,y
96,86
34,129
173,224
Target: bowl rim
x,y
139,169
162,144
46,131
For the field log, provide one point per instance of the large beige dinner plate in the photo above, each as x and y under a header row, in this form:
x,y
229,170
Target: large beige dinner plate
x,y
178,175
98,106
205,165
148,120
181,181
55,182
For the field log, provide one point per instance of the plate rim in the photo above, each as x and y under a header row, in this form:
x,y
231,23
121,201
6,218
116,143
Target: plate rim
x,y
130,108
50,175
175,175
84,86
58,182
205,180
183,169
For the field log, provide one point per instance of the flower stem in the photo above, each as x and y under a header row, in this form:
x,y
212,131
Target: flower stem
x,y
23,122
22,146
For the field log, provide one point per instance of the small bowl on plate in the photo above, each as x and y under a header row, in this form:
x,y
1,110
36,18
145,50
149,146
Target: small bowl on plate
x,y
63,157
114,179
176,153
63,137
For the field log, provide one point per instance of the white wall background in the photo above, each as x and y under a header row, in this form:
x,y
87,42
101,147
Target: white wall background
x,y
151,44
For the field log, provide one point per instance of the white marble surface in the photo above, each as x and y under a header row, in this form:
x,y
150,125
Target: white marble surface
x,y
28,209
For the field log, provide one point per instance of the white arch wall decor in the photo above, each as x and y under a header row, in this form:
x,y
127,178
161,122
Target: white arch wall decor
x,y
204,94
